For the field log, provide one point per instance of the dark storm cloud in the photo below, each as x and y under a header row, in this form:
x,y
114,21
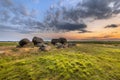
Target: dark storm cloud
x,y
55,19
112,26
70,26
59,17
81,10
85,31
94,8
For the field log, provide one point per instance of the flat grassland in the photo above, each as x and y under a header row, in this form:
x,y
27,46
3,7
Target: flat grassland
x,y
86,61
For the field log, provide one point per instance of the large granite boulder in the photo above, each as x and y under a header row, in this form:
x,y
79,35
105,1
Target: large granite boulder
x,y
54,41
62,40
24,42
37,40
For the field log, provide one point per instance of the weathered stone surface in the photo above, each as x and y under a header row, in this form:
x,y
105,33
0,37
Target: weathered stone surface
x,y
45,48
37,40
54,41
60,40
24,42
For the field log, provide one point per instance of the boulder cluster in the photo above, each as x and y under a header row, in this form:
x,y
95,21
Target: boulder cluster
x,y
39,42
60,43
60,40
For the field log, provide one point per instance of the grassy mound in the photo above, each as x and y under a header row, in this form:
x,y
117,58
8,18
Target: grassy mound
x,y
85,62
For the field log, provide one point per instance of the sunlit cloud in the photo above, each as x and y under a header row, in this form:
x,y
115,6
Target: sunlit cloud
x,y
73,19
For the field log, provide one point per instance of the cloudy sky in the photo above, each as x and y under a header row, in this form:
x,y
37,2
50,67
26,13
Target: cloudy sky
x,y
72,19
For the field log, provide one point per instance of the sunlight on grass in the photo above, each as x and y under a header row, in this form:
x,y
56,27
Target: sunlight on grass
x,y
84,62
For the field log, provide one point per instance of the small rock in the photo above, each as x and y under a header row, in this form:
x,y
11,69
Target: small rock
x,y
45,48
59,45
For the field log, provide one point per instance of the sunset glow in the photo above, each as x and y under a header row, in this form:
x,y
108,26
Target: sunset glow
x,y
74,20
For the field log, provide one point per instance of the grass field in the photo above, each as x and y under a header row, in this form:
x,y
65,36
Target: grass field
x,y
82,62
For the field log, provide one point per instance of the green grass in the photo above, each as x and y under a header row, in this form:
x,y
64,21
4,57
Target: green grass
x,y
84,62
97,42
8,43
